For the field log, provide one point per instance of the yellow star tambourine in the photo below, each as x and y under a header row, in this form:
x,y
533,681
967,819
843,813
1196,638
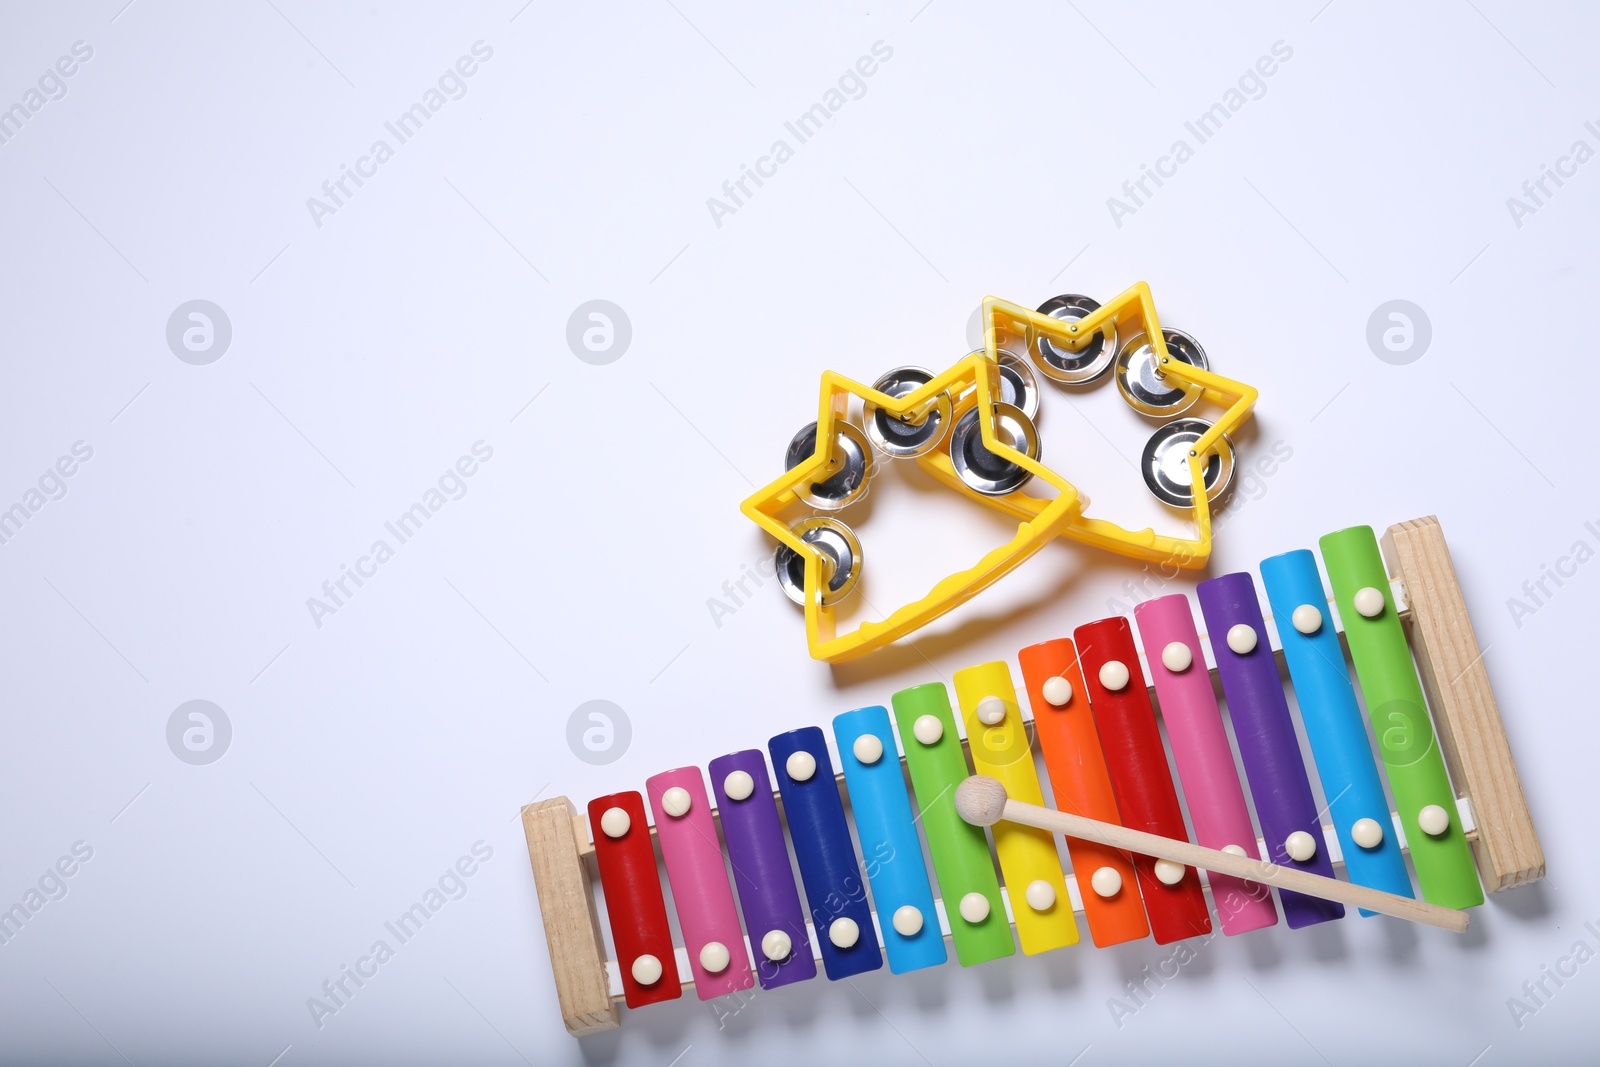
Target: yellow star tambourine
x,y
975,383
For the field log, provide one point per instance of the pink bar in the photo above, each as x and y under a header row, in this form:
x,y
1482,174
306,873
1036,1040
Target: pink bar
x,y
1205,762
699,880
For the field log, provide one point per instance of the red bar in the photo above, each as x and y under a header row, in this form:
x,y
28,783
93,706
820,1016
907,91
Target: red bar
x,y
634,904
1146,796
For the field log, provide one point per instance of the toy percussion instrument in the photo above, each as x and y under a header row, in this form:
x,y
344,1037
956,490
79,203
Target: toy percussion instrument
x,y
973,428
869,898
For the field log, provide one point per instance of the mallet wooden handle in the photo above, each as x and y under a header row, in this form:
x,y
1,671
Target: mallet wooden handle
x,y
982,801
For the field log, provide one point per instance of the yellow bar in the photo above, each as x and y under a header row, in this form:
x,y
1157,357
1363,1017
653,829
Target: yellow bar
x,y
1027,855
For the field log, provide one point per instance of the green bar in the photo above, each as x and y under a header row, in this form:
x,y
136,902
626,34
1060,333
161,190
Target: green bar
x,y
1399,714
960,850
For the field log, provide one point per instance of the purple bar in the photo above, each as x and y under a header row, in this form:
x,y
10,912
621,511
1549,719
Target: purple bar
x,y
1267,741
767,894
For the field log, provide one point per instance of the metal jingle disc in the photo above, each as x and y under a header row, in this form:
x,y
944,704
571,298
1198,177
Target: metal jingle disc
x,y
1074,366
982,470
1145,388
841,560
1165,463
1017,384
849,467
899,436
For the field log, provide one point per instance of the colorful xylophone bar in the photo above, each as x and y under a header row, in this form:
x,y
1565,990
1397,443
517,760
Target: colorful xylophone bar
x,y
1098,738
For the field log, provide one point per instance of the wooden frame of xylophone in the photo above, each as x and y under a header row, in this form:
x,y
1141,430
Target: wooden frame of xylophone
x,y
1479,828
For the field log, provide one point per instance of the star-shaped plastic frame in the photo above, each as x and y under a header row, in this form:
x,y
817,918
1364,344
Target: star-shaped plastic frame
x,y
976,378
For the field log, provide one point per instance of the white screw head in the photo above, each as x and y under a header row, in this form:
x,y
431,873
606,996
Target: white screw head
x,y
1169,873
1367,833
738,785
991,710
1106,882
1236,850
675,801
801,766
1114,675
974,907
1057,691
1307,618
868,749
646,969
927,729
907,920
1176,657
714,957
1300,846
1434,820
1242,638
1040,895
776,946
844,932
1369,601
615,822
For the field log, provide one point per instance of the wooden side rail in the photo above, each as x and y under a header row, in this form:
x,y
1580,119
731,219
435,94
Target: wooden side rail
x,y
1465,716
571,924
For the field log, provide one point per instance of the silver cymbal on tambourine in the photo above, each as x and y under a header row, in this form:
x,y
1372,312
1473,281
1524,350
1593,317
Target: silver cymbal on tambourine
x,y
987,472
848,471
1143,384
1165,463
902,437
841,560
1074,366
1018,387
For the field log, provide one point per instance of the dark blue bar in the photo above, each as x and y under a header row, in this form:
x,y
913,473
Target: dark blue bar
x,y
834,886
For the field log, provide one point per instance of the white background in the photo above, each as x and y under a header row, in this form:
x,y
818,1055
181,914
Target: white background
x,y
371,752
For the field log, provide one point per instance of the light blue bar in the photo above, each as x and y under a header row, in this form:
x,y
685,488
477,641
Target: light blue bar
x,y
889,842
1333,723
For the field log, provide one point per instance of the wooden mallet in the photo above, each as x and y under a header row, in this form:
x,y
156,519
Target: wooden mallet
x,y
982,801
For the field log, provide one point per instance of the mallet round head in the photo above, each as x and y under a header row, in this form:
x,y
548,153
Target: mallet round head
x,y
981,800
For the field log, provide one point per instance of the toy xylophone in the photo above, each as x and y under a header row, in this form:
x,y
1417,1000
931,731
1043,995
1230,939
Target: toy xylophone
x,y
1093,724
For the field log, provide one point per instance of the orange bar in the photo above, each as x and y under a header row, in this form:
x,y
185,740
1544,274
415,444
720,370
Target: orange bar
x,y
1082,786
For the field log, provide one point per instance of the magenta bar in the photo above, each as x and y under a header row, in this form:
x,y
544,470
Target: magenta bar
x,y
699,880
1205,760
